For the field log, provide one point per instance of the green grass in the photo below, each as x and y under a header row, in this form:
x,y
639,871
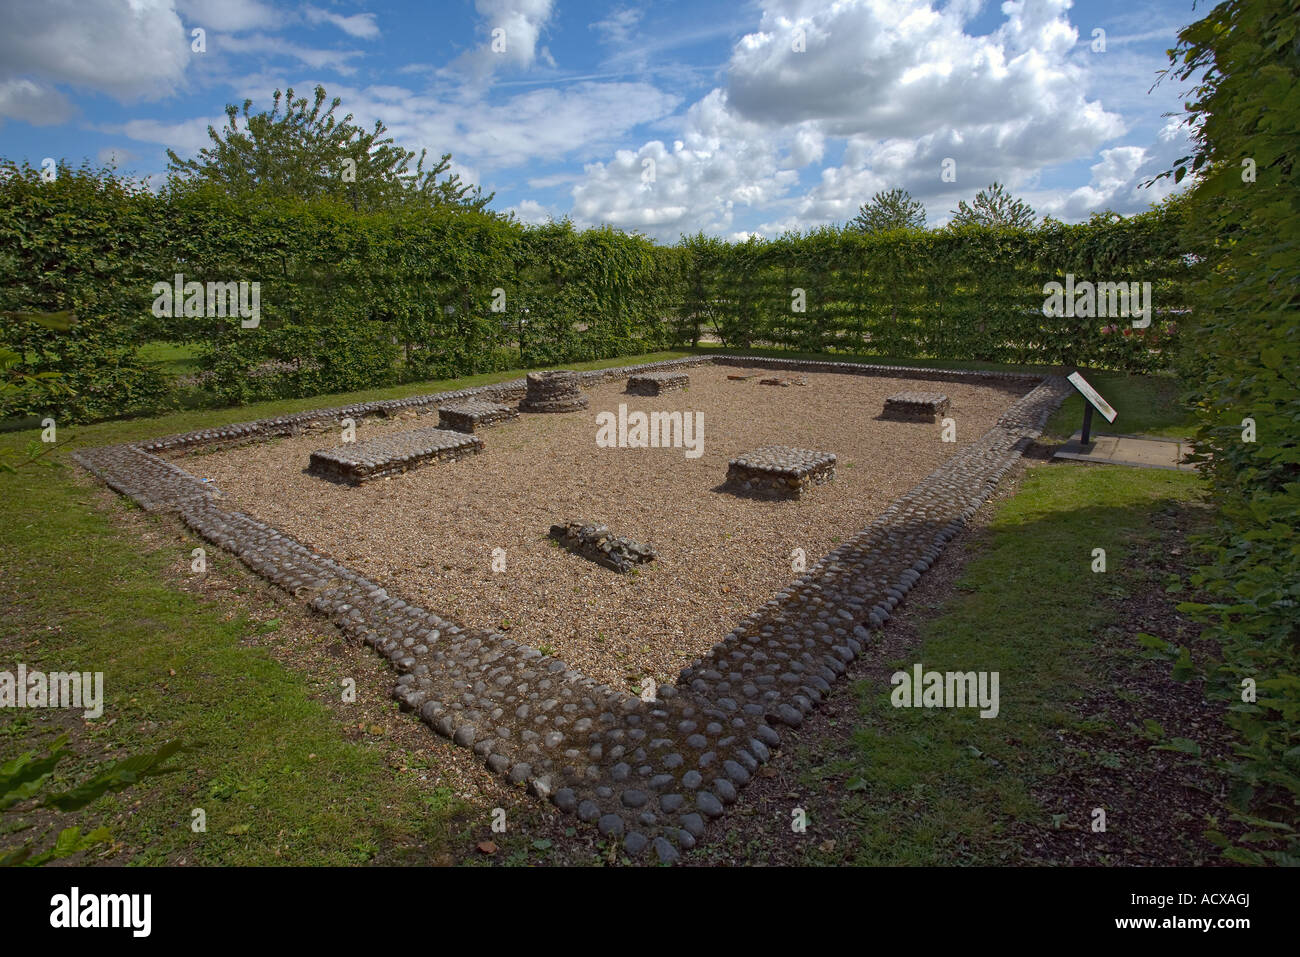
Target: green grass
x,y
175,358
941,786
270,765
1146,405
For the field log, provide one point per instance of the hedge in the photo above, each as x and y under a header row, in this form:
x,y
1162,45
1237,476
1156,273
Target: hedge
x,y
352,300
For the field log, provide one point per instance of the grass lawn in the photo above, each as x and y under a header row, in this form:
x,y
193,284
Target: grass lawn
x,y
934,786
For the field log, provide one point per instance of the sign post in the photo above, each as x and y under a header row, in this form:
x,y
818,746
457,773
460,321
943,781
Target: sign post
x,y
1092,400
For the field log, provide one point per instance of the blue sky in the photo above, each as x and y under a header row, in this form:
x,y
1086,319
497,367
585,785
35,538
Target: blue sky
x,y
665,117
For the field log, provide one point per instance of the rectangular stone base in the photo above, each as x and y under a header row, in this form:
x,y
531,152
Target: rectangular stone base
x,y
360,462
777,471
657,383
474,414
916,406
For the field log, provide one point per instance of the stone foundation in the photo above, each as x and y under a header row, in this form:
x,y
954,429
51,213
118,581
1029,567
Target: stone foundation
x,y
784,381
777,471
360,462
594,542
916,406
655,776
657,383
555,391
474,414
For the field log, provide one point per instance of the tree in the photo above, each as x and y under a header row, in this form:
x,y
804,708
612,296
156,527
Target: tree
x,y
890,209
994,206
306,152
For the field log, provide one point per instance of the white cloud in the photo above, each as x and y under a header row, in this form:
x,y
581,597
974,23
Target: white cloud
x,y
532,212
231,16
898,82
616,29
316,58
360,25
520,23
33,103
131,51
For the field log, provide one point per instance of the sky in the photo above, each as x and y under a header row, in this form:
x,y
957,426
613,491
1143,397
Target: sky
x,y
665,117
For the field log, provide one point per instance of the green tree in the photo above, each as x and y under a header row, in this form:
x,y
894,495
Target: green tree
x,y
889,209
304,151
994,206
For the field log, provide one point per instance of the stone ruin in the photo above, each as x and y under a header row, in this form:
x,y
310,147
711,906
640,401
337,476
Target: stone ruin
x,y
595,542
555,391
657,383
784,381
777,471
359,462
474,414
916,406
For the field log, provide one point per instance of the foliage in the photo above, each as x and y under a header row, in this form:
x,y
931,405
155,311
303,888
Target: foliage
x,y
306,152
994,206
1243,58
967,293
24,778
889,209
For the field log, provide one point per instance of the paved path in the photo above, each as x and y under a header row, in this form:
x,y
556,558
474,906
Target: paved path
x,y
1140,451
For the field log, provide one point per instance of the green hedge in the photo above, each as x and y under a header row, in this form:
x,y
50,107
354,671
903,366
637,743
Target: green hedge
x,y
352,300
973,293
1244,335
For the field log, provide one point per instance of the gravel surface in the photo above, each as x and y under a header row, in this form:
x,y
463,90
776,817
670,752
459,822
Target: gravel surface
x,y
429,535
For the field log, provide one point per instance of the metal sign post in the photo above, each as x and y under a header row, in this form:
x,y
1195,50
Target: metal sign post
x,y
1093,400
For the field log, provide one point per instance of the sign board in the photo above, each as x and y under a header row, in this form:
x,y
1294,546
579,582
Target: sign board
x,y
1089,393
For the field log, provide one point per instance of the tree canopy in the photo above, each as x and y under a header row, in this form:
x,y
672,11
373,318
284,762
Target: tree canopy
x,y
304,150
889,209
994,206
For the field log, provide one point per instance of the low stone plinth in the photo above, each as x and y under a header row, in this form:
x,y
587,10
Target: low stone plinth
x,y
777,471
916,406
555,391
596,543
657,383
784,381
360,462
474,414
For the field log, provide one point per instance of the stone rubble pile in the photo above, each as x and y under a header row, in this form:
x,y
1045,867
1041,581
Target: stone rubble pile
x,y
596,543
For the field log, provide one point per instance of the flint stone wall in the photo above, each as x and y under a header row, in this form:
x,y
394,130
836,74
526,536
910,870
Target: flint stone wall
x,y
472,415
778,471
916,406
358,462
657,383
555,391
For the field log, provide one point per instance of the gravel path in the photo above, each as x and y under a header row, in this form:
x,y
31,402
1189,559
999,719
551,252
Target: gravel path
x,y
429,535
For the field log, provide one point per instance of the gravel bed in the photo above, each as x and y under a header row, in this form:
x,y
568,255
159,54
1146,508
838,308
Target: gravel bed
x,y
429,535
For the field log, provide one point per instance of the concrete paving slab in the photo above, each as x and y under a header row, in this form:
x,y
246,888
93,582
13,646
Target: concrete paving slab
x,y
1139,451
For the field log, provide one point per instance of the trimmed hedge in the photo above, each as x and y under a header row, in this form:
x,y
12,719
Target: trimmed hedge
x,y
352,300
971,293
1244,56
